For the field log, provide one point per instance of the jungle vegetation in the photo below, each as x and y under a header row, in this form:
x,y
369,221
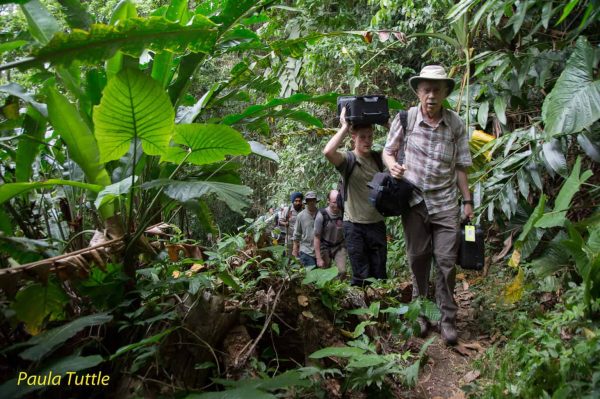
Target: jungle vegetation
x,y
143,142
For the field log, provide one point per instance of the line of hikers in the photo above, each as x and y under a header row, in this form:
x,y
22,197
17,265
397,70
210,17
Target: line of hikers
x,y
436,157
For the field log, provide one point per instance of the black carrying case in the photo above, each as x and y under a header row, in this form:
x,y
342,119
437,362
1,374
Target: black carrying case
x,y
364,109
471,254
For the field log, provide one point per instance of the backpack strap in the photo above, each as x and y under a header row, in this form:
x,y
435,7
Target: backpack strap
x,y
326,218
408,120
377,158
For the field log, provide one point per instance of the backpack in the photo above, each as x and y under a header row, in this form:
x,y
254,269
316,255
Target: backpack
x,y
326,220
390,196
326,217
342,186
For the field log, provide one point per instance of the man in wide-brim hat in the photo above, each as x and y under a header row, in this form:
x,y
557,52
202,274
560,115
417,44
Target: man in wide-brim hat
x,y
436,159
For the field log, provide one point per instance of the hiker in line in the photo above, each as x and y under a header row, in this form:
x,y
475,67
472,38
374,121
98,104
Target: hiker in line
x,y
287,219
304,231
329,236
436,160
364,228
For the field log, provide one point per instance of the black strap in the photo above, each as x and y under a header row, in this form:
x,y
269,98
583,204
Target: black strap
x,y
401,151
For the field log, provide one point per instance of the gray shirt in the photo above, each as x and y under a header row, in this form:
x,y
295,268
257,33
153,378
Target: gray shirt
x,y
304,231
332,233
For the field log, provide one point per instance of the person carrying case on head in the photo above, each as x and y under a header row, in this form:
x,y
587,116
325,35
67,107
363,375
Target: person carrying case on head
x,y
364,227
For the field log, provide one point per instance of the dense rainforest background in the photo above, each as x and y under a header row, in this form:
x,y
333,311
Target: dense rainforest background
x,y
143,142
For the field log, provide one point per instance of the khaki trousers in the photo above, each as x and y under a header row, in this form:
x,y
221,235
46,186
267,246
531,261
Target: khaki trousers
x,y
433,237
337,255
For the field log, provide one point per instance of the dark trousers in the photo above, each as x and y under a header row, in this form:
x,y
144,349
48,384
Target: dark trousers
x,y
367,250
433,237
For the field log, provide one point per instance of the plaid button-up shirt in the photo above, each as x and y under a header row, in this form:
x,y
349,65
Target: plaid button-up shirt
x,y
431,157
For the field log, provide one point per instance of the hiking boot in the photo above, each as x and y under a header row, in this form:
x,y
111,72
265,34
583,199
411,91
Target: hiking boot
x,y
423,326
448,333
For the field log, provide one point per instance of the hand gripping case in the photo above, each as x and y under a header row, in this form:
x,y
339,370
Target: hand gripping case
x,y
364,109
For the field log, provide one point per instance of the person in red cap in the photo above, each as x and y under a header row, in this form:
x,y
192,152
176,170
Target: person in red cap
x,y
437,156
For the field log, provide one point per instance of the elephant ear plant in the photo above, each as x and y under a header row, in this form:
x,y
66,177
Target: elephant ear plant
x,y
118,123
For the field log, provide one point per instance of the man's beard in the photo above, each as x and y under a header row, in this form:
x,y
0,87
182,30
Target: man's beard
x,y
298,207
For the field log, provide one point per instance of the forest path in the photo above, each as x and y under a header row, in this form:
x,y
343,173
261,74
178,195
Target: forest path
x,y
448,368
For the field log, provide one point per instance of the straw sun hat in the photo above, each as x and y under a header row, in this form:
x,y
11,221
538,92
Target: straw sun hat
x,y
431,72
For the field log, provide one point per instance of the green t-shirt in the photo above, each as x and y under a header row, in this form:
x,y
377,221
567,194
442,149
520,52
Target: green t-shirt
x,y
357,208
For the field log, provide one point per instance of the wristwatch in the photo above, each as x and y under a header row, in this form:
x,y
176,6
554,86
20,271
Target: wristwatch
x,y
465,202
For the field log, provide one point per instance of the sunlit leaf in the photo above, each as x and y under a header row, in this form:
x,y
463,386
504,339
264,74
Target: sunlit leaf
x,y
83,149
205,143
133,106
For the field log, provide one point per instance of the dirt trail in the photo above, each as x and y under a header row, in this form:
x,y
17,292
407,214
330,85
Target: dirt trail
x,y
449,368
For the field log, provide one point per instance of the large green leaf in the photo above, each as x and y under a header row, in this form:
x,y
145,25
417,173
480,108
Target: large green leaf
x,y
80,141
320,276
224,13
77,15
131,36
574,102
133,106
114,190
206,143
163,61
261,150
41,23
124,10
537,213
10,190
34,127
43,344
342,351
234,195
558,216
36,303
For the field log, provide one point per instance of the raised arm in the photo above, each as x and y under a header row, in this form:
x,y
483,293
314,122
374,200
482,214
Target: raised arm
x,y
331,149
